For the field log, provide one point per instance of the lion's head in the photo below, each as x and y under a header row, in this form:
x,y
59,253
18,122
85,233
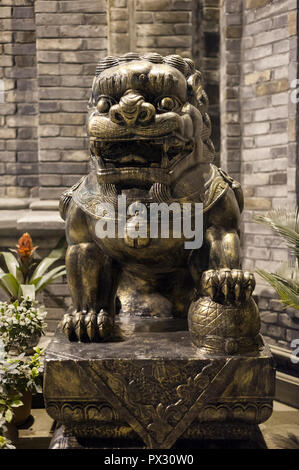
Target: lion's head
x,y
148,123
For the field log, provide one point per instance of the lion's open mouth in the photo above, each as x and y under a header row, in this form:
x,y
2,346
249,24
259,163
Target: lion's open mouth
x,y
141,153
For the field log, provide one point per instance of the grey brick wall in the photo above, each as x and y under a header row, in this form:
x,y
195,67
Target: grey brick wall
x,y
259,121
71,36
18,112
49,54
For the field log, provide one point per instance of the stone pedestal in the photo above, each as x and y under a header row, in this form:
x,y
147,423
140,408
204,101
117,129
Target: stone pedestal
x,y
153,389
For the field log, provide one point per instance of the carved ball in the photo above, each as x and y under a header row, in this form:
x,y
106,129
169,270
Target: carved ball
x,y
227,324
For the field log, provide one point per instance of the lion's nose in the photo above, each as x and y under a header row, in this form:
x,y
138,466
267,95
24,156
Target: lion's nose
x,y
132,109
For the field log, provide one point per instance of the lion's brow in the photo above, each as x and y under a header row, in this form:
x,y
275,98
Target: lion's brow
x,y
117,83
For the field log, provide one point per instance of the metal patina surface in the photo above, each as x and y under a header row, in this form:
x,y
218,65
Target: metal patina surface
x,y
150,142
155,388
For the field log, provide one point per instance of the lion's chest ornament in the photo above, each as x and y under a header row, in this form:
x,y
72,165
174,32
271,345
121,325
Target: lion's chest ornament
x,y
150,144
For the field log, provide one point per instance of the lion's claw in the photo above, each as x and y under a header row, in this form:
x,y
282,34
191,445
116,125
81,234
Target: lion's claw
x,y
229,285
88,326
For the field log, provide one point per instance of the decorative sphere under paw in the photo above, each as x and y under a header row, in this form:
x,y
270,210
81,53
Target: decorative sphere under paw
x,y
224,329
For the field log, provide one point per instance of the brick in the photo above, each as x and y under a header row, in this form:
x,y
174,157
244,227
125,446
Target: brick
x,y
268,114
27,157
7,108
278,178
48,31
119,14
24,36
8,157
62,168
267,37
28,181
27,133
271,88
258,52
257,3
49,131
84,31
5,12
271,139
59,44
280,99
21,169
23,12
292,23
75,156
63,93
74,107
167,17
6,36
62,119
156,29
272,191
233,32
7,133
279,126
276,60
257,203
282,46
153,5
21,121
62,143
51,180
259,26
72,131
46,56
82,56
256,128
25,61
45,6
20,49
257,77
92,6
277,164
269,317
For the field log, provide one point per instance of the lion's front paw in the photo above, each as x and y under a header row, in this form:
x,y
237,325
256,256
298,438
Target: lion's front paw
x,y
230,285
89,326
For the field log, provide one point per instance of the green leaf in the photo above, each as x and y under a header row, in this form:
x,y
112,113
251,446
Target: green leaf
x,y
27,290
8,415
17,403
49,277
55,254
11,284
287,290
12,264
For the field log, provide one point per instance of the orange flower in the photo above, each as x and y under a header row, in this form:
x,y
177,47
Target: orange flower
x,y
25,247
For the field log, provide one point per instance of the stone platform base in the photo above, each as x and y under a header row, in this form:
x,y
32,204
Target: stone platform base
x,y
203,436
153,390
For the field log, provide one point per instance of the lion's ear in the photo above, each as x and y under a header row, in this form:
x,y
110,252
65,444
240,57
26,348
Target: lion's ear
x,y
194,81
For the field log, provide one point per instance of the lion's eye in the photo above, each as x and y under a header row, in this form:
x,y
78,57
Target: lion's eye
x,y
103,105
167,104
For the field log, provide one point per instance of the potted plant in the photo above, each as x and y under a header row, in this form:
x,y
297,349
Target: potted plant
x,y
24,275
8,430
285,280
21,325
20,377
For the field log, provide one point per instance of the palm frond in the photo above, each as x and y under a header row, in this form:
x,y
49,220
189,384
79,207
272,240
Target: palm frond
x,y
287,290
285,223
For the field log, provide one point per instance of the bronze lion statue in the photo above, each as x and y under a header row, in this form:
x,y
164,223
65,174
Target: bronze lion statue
x,y
150,141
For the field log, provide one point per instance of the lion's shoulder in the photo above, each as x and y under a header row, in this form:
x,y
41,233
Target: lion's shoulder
x,y
217,186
